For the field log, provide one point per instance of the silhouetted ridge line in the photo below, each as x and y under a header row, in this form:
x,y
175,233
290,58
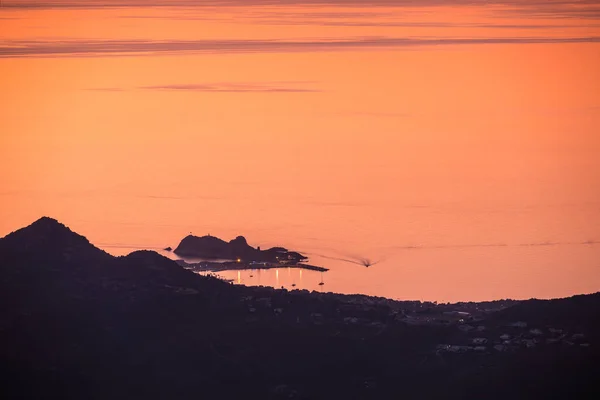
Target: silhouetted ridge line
x,y
140,326
47,238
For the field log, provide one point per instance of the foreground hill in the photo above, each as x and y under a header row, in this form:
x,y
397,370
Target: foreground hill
x,y
78,323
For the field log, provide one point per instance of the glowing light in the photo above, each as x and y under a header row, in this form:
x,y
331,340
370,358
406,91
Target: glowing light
x,y
239,279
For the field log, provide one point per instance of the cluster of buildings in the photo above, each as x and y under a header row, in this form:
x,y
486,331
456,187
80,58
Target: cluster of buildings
x,y
458,330
515,336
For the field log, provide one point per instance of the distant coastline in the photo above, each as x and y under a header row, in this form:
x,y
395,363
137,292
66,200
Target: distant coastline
x,y
236,254
209,266
145,320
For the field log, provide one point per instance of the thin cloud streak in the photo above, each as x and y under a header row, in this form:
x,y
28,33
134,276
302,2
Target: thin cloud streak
x,y
102,48
409,24
275,3
173,197
533,244
375,19
549,9
375,114
108,89
220,87
231,88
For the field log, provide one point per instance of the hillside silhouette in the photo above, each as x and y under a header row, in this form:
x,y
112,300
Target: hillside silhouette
x,y
76,322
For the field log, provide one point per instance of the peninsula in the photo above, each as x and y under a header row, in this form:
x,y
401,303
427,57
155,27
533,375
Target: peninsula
x,y
238,249
215,266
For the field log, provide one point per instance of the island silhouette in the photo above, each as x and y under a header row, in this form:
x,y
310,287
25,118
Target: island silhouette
x,y
212,247
239,252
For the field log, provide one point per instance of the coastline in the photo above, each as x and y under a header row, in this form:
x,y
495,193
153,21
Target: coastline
x,y
237,266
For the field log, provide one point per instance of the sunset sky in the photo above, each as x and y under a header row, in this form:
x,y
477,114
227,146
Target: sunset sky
x,y
328,126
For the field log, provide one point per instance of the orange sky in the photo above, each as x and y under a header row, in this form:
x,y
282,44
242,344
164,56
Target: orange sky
x,y
361,127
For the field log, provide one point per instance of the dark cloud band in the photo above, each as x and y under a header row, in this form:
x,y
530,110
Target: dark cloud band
x,y
346,3
101,48
580,9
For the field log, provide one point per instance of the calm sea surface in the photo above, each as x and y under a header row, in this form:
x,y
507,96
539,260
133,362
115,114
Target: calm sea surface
x,y
458,146
427,253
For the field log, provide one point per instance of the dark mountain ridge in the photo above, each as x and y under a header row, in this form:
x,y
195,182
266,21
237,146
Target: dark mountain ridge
x,y
76,322
46,239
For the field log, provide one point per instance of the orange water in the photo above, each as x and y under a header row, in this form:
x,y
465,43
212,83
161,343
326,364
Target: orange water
x,y
470,170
